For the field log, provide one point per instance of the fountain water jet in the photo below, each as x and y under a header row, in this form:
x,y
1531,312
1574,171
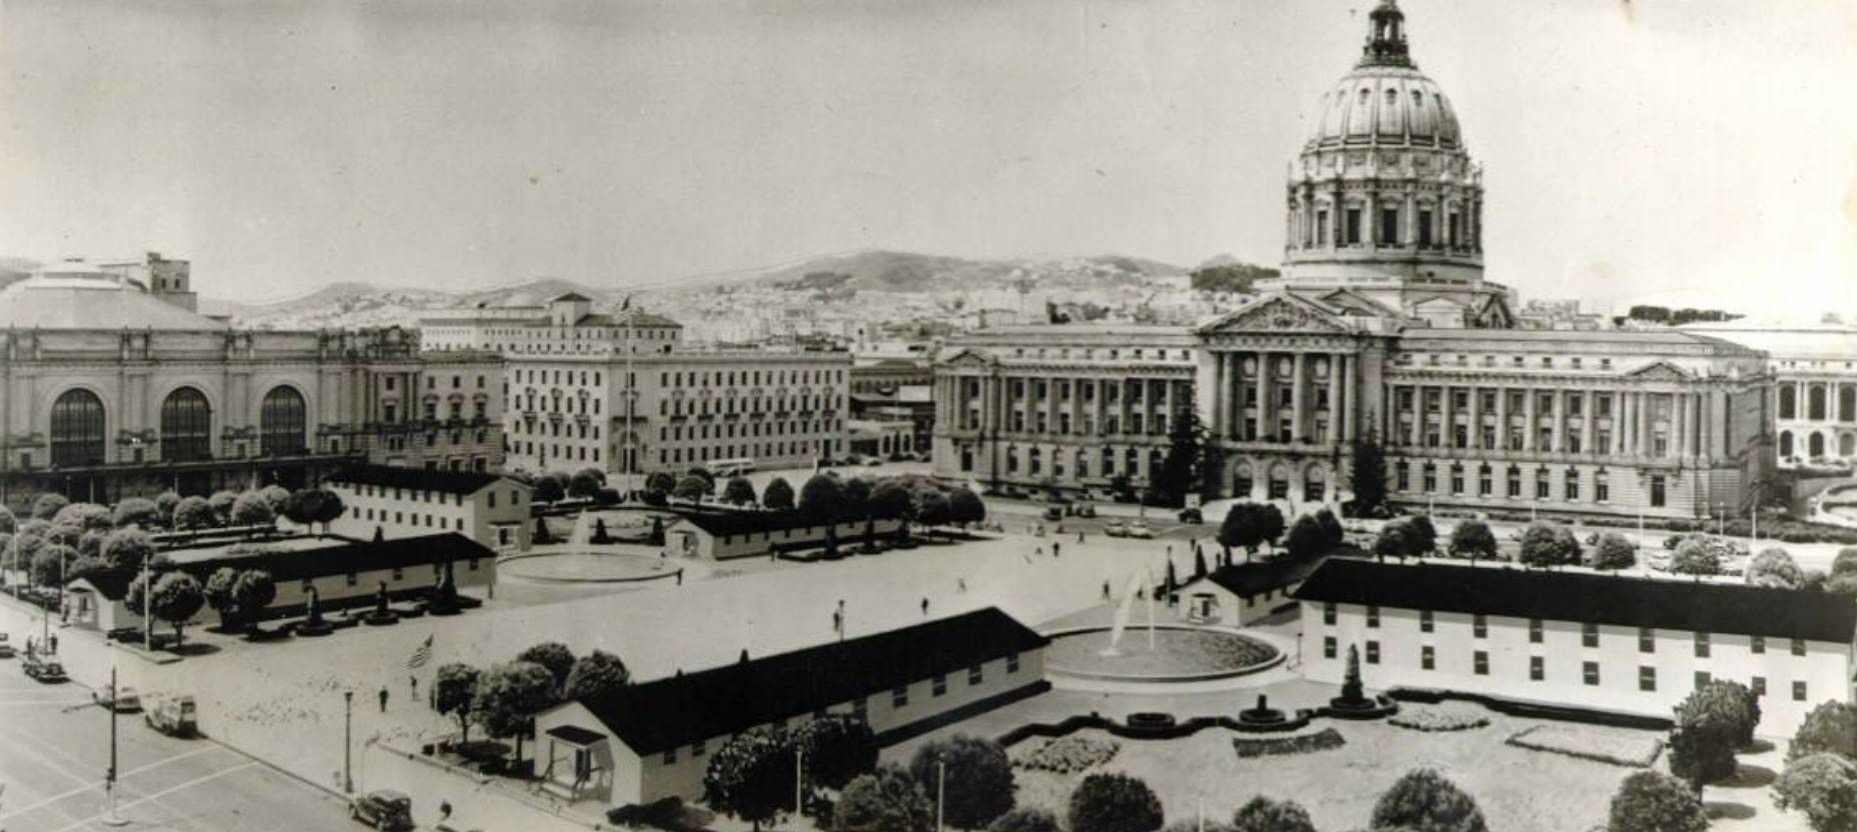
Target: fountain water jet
x,y
1135,583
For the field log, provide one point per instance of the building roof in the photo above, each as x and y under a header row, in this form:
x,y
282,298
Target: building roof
x,y
1632,339
680,710
302,564
1586,597
1261,577
74,297
420,479
722,523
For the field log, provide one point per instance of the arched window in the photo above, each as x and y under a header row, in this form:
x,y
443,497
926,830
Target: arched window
x,y
1315,485
77,429
1815,403
1815,445
1847,403
1786,443
1241,480
1847,445
282,422
1789,404
186,426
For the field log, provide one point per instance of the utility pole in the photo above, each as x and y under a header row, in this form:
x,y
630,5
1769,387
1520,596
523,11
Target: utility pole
x,y
941,791
348,708
148,616
799,782
110,818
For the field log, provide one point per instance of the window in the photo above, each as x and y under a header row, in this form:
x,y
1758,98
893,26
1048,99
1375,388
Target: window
x,y
1657,491
1702,645
1590,670
1798,647
1373,652
1427,658
1353,229
1537,668
670,755
1798,691
1647,679
1373,615
1012,662
1479,626
1602,489
899,697
1759,686
975,675
940,686
1328,647
1702,678
1647,640
1424,621
1534,631
1757,645
1589,634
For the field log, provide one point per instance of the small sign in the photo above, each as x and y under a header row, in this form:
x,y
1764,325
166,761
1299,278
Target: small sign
x,y
1192,499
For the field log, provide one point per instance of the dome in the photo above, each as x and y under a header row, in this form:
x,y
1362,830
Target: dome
x,y
77,295
1386,101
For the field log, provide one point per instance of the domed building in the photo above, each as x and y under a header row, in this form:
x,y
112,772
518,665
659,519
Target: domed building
x,y
1384,200
111,385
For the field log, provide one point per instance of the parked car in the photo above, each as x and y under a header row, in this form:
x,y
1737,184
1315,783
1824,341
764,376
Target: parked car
x,y
170,714
1053,513
1115,528
382,809
1084,510
6,648
1139,528
126,700
1192,515
43,669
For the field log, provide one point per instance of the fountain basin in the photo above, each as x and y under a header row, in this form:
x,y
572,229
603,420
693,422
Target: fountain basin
x,y
1181,654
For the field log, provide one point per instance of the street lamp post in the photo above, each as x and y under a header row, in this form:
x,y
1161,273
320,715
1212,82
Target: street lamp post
x,y
148,616
110,818
941,791
348,709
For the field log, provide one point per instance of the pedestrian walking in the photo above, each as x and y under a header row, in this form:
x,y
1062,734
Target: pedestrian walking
x,y
1054,546
54,644
1105,590
680,577
962,583
383,699
838,622
925,606
1040,551
413,682
1079,536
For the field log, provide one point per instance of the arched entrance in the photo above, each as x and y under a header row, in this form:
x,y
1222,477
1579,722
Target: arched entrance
x,y
1244,480
186,426
1315,484
77,429
1279,482
283,422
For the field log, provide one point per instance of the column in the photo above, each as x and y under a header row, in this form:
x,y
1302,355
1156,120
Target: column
x,y
1502,418
1219,418
1649,423
1370,222
1560,420
1447,428
1337,427
1679,419
1411,222
1474,433
1698,424
1621,422
1263,393
1348,428
1589,409
1528,419
1298,399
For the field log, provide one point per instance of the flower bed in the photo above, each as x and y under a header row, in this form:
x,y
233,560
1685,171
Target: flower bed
x,y
1439,718
1068,755
1600,746
1322,740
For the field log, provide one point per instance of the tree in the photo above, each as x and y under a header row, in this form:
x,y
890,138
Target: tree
x,y
1425,801
1114,803
276,496
1823,787
1351,682
1775,567
90,545
221,503
1651,801
177,596
1613,551
1829,728
1549,544
508,696
739,492
85,516
1696,555
165,503
452,689
194,513
979,784
1331,526
1724,701
47,506
751,776
8,523
1263,814
1235,278
778,495
1394,540
691,489
1708,730
1472,539
837,748
136,511
1250,525
707,475
1367,474
885,800
596,673
965,507
892,500
1025,819
308,506
253,593
252,509
1424,534
328,509
932,507
585,483
552,656
219,594
819,496
50,564
1846,561
127,548
549,490
1179,471
855,498
1306,538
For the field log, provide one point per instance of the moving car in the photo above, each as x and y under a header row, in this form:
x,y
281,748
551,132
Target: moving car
x,y
43,669
1192,515
1115,528
382,809
1139,528
126,700
171,715
6,650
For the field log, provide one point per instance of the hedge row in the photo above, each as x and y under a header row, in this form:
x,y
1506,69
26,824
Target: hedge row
x,y
1322,740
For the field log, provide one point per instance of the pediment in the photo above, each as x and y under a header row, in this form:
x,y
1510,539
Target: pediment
x,y
1278,313
1350,301
968,357
1660,371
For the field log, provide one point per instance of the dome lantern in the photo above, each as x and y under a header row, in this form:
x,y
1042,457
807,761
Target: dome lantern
x,y
1386,37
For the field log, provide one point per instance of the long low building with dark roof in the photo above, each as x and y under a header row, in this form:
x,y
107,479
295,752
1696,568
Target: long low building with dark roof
x,y
1575,638
402,502
648,741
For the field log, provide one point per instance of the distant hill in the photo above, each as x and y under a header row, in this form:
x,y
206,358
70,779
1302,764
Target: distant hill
x,y
896,271
15,268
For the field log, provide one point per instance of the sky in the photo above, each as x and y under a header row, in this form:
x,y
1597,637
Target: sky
x,y
1699,152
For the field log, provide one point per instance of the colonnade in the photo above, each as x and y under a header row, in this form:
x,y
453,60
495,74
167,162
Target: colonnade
x,y
1561,419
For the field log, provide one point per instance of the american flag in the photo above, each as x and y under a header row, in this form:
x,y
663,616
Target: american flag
x,y
421,655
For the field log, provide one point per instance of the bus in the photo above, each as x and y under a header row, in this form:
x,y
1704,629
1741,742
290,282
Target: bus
x,y
732,467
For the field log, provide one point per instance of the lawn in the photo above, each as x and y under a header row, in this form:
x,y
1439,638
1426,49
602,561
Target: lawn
x,y
1174,652
1519,790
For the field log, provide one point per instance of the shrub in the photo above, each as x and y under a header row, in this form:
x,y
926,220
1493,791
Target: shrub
x,y
1613,551
1594,744
1700,554
1025,819
886,800
1650,801
252,508
979,782
127,547
1425,801
1472,539
194,513
1322,740
1845,562
778,495
1831,728
1263,814
1821,786
1774,567
47,506
1114,803
1549,544
165,502
1069,755
1447,718
136,511
1306,538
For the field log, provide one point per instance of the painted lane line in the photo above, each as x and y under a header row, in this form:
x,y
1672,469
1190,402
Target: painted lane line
x,y
163,793
98,785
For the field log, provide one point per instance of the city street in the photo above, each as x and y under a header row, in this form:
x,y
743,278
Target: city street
x,y
54,749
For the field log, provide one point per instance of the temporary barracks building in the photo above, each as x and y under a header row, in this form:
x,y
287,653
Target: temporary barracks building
x,y
1576,639
1241,594
724,535
408,502
653,740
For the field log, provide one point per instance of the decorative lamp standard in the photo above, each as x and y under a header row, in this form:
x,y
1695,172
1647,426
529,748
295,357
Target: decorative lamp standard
x,y
110,818
348,708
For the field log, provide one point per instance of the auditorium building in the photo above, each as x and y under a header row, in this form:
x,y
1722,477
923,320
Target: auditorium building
x,y
1383,327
